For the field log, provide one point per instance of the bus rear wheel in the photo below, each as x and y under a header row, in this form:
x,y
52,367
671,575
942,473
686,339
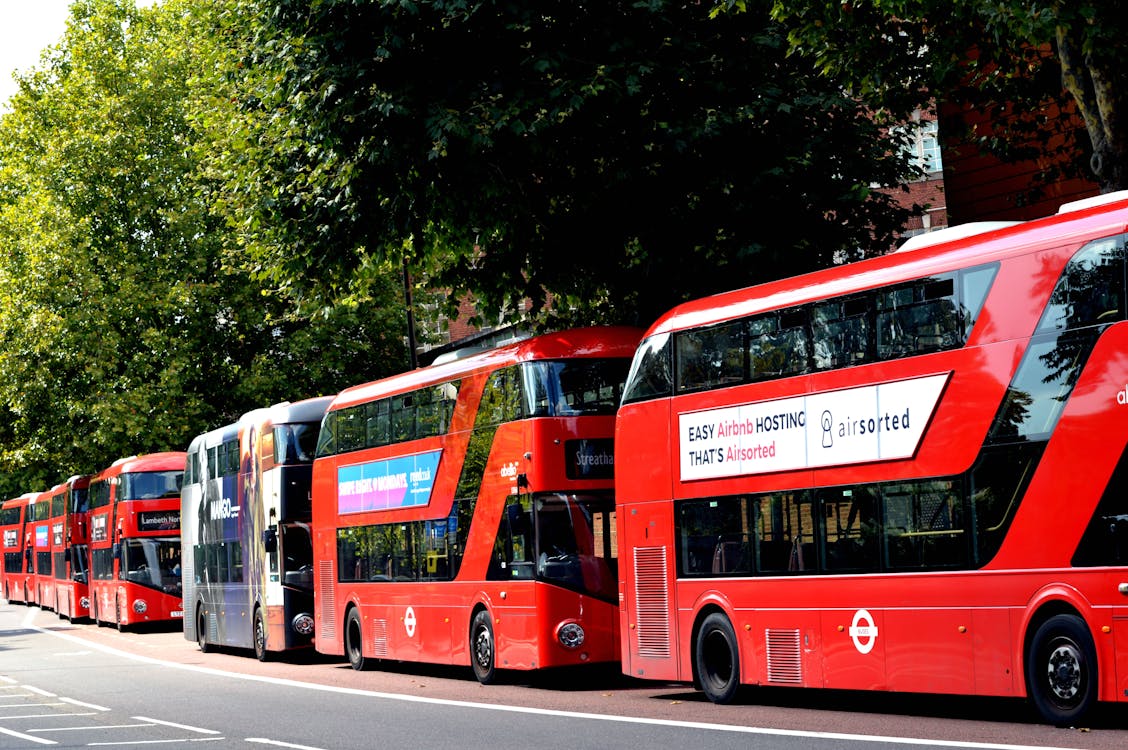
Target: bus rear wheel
x,y
482,655
354,641
259,636
1061,670
718,659
202,630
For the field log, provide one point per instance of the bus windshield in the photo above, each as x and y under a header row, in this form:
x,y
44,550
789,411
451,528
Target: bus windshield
x,y
78,556
295,443
297,550
574,543
152,562
146,485
575,386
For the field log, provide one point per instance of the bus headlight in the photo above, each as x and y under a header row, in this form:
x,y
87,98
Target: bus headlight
x,y
570,634
303,624
140,606
84,602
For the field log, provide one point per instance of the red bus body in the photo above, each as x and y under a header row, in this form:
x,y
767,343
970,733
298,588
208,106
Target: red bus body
x,y
69,551
937,502
134,527
15,515
434,491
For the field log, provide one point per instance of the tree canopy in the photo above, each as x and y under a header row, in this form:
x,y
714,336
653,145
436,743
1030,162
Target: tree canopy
x,y
617,156
122,328
1016,61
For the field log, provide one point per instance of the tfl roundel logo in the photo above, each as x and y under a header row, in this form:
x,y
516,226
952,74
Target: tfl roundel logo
x,y
863,631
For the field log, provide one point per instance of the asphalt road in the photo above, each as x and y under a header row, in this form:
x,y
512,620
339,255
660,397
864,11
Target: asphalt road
x,y
81,685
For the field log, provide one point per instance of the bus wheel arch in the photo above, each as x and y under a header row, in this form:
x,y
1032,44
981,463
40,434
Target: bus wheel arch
x,y
1060,664
354,639
483,645
716,655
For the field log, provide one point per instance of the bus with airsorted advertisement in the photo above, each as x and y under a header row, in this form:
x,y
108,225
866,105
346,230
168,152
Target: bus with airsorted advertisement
x,y
135,540
463,512
907,473
15,522
245,531
69,552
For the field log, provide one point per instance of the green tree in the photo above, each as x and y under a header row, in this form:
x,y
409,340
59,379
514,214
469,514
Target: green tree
x,y
1016,61
125,324
619,156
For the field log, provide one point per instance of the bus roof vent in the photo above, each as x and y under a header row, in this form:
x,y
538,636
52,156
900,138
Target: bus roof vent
x,y
1096,200
958,232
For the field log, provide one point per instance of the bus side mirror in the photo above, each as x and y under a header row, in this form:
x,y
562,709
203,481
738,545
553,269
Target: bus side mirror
x,y
270,539
117,550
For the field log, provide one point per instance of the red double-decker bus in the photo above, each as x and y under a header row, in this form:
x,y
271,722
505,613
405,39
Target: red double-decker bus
x,y
37,535
47,538
463,512
907,473
135,540
69,552
18,571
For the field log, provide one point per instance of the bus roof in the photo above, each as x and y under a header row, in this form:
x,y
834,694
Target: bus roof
x,y
608,341
164,461
285,412
1104,215
23,499
309,410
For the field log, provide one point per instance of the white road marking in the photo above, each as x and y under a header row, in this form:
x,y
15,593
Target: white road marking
x,y
264,741
174,724
28,737
73,702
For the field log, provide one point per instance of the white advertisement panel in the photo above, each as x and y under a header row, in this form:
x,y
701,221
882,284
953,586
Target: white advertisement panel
x,y
850,426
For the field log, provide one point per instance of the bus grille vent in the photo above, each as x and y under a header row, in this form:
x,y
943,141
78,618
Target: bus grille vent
x,y
785,663
326,595
380,634
652,598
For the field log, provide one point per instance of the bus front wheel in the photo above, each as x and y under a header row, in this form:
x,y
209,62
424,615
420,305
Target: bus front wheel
x,y
482,656
718,660
354,641
1061,670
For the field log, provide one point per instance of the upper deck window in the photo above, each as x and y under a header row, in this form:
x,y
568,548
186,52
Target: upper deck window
x,y
930,314
145,485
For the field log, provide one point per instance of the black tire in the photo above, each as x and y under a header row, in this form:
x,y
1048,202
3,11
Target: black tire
x,y
717,658
202,630
1061,670
258,635
482,651
354,641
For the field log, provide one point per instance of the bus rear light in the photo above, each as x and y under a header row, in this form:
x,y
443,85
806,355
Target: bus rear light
x,y
140,606
570,634
303,624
